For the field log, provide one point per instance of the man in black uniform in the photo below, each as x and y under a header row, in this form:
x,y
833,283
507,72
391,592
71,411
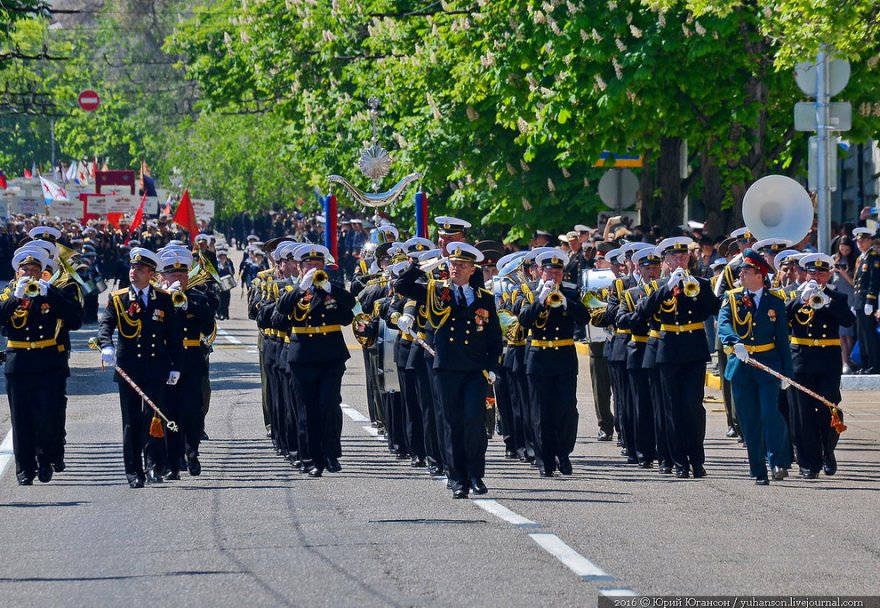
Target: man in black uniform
x,y
150,351
467,342
36,363
185,398
815,316
683,303
867,287
550,318
318,309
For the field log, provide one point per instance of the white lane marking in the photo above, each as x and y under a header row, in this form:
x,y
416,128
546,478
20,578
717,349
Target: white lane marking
x,y
5,452
617,592
228,337
499,510
352,413
573,560
371,431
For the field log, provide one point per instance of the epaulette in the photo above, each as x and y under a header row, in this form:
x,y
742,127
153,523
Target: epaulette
x,y
735,289
119,292
779,292
487,292
264,273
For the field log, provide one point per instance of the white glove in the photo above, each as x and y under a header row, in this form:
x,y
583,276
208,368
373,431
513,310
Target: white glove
x,y
433,265
491,377
404,323
675,278
546,289
806,295
869,309
173,377
741,353
306,281
19,287
175,286
44,287
784,384
108,356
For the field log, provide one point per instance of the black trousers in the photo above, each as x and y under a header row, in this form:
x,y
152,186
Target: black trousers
x,y
267,415
139,449
36,402
413,426
428,403
661,417
223,309
184,406
869,342
601,382
623,417
815,437
318,386
555,417
392,404
374,400
283,415
683,389
522,412
288,404
643,414
504,403
271,386
463,395
57,453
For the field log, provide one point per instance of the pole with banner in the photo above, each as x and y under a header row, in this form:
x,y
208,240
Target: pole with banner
x,y
330,234
422,214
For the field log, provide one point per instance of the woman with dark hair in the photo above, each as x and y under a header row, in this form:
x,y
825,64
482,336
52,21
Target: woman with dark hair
x,y
842,279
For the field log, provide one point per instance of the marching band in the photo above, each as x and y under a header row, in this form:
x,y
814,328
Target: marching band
x,y
458,341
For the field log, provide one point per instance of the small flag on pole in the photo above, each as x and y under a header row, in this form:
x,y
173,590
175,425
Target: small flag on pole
x,y
52,191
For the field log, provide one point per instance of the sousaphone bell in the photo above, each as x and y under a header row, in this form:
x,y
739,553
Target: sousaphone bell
x,y
776,206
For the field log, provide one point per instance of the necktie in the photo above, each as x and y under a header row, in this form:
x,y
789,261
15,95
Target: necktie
x,y
143,298
462,301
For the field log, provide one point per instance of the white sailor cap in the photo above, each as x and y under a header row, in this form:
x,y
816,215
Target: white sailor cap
x,y
506,259
789,255
612,255
203,237
431,254
677,244
417,245
816,261
631,247
742,234
863,232
44,232
287,250
464,252
144,257
48,246
718,263
312,253
387,229
555,258
451,225
29,255
582,228
534,253
771,244
645,255
175,260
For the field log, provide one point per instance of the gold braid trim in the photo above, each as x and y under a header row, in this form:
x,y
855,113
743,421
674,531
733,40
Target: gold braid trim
x,y
122,317
746,321
437,313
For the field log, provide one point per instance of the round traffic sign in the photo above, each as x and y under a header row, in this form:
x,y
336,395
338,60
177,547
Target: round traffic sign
x,y
88,100
618,188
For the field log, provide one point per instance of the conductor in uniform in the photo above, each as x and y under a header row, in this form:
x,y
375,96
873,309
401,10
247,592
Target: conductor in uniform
x,y
36,363
550,318
467,342
149,349
866,284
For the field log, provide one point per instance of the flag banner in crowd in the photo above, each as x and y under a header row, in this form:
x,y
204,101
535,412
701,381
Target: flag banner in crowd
x,y
185,216
52,191
67,209
139,215
204,208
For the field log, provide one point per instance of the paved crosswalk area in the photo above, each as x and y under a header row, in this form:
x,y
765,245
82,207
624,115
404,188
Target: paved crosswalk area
x,y
253,531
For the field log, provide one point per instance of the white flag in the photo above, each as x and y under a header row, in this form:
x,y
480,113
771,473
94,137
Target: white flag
x,y
52,191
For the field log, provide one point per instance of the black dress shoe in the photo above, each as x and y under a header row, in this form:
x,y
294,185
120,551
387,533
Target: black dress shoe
x,y
315,472
461,493
762,481
172,475
646,464
632,460
511,454
44,474
545,472
731,432
333,465
830,466
401,455
478,486
59,466
415,463
682,473
624,452
194,466
204,437
153,477
25,480
137,482
603,436
779,473
666,470
808,474
564,465
699,472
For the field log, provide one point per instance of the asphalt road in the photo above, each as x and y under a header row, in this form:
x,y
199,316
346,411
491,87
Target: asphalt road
x,y
251,530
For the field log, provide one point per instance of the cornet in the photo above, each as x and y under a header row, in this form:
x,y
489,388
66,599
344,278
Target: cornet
x,y
32,289
320,278
554,298
178,299
690,286
818,299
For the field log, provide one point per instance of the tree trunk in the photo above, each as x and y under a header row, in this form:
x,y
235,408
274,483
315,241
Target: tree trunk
x,y
670,203
712,197
646,192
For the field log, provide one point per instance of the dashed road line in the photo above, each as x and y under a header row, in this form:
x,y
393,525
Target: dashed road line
x,y
6,452
552,544
228,337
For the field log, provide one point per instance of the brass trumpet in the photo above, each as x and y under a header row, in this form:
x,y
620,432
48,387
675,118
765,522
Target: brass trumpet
x,y
32,289
178,298
690,286
818,299
320,278
554,299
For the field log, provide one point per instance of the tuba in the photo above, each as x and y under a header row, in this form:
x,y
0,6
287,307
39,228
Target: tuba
x,y
776,206
365,330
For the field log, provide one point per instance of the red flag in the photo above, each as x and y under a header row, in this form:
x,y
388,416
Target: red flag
x,y
2,181
113,219
28,174
139,216
185,216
